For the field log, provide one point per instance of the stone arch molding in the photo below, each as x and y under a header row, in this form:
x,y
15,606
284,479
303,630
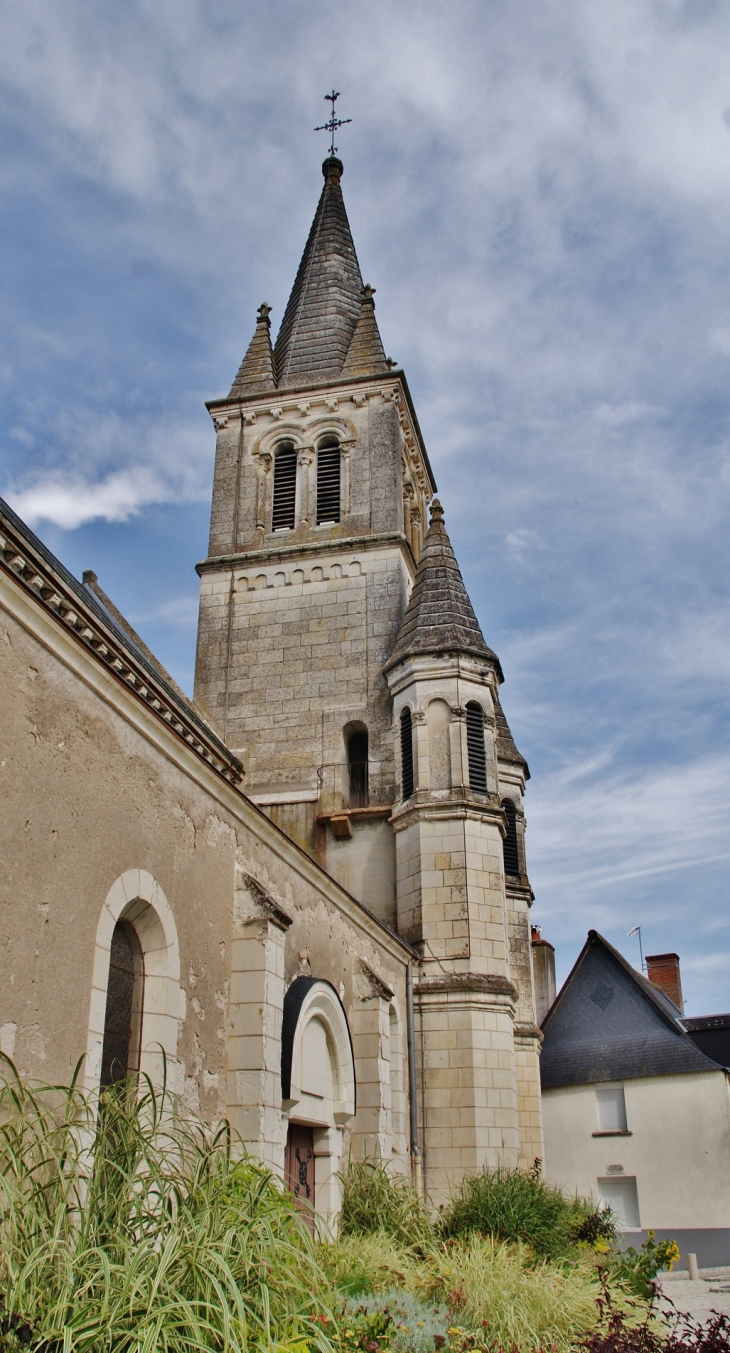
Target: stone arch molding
x,y
137,897
310,1001
304,438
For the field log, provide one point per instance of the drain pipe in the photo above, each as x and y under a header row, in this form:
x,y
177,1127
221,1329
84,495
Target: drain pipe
x,y
416,1156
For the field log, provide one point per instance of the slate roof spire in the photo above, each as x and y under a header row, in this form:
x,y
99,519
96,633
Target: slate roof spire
x,y
439,617
327,301
256,373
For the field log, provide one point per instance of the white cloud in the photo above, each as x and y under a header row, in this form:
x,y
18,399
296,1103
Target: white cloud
x,y
551,266
68,503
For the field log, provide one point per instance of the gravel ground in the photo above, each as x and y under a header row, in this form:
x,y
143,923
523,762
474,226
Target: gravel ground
x,y
698,1299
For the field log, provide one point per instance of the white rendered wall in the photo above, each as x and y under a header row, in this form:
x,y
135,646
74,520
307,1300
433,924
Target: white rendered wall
x,y
678,1150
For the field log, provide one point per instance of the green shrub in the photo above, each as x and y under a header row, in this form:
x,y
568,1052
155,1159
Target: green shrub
x,y
510,1205
638,1268
374,1199
500,1298
138,1228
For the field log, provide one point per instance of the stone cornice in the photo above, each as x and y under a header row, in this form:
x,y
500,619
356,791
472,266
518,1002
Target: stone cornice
x,y
394,387
478,808
531,1031
275,554
60,596
467,983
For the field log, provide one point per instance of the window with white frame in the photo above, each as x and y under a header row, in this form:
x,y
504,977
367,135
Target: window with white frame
x,y
611,1108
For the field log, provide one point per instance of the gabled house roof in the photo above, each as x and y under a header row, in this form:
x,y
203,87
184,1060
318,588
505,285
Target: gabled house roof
x,y
608,1023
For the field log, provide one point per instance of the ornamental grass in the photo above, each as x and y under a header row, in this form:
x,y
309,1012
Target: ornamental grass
x,y
131,1226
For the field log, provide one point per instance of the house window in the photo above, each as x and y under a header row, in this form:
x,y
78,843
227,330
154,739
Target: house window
x,y
509,845
621,1195
357,762
285,488
124,1002
475,747
611,1108
406,753
328,481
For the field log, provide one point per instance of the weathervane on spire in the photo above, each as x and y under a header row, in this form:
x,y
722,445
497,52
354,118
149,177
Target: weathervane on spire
x,y
333,123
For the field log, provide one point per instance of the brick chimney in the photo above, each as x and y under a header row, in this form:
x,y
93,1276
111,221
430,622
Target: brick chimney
x,y
663,973
543,968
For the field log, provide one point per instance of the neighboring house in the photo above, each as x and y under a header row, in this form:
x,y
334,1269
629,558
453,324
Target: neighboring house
x,y
636,1112
250,881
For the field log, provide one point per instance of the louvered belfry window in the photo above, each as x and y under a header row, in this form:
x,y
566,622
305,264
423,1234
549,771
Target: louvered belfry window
x,y
475,747
406,753
511,854
328,482
285,489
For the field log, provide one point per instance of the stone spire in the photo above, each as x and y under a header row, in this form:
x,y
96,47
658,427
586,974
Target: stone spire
x,y
439,617
256,372
366,354
327,296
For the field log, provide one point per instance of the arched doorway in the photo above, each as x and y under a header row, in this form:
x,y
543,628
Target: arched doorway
x,y
318,1092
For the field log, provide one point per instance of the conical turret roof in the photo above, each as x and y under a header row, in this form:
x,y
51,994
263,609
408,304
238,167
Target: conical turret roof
x,y
327,296
506,746
256,372
366,354
439,617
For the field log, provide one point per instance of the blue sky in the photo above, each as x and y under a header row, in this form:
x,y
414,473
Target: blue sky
x,y
540,195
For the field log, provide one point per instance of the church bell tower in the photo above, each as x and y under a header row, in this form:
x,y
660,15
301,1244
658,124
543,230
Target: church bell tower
x,y
319,503
341,659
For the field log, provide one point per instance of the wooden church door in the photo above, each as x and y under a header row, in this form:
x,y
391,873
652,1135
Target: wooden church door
x,y
300,1165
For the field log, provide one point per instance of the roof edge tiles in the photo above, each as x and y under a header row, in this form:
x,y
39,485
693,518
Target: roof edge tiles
x,y
79,609
439,617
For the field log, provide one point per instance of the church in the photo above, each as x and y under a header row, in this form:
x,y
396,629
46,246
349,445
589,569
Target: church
x,y
301,896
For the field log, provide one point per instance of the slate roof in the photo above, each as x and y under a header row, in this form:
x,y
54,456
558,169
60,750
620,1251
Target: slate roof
x,y
608,1023
439,617
329,329
711,1033
326,299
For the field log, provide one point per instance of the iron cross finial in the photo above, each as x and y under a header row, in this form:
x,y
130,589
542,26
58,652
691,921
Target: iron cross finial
x,y
333,123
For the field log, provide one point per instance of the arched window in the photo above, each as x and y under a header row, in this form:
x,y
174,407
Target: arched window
x,y
475,747
124,1004
406,753
285,488
357,762
328,480
511,853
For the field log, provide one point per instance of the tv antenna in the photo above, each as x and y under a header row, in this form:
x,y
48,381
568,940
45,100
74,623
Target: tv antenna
x,y
636,930
334,122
